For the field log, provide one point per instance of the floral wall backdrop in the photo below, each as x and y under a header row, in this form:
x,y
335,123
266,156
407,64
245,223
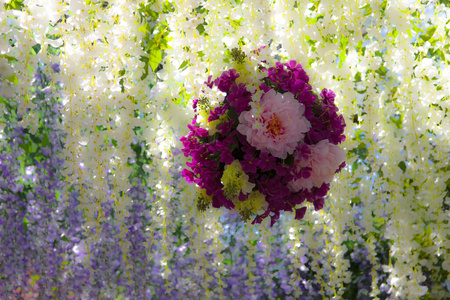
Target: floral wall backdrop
x,y
95,96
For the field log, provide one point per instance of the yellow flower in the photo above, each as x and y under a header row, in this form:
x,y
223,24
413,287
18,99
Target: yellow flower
x,y
254,202
203,200
235,180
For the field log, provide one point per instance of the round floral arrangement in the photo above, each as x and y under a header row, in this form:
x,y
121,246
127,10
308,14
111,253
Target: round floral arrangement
x,y
267,149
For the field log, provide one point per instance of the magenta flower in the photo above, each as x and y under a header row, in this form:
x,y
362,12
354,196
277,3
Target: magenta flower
x,y
249,164
226,80
225,127
277,126
266,162
226,156
300,213
239,97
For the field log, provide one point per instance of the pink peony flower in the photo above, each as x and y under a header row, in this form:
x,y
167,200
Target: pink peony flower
x,y
277,126
324,160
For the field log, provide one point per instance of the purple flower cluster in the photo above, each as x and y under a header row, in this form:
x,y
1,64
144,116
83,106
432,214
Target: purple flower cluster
x,y
273,274
42,221
271,175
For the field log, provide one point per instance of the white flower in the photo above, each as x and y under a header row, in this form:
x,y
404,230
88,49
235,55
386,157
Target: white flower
x,y
5,69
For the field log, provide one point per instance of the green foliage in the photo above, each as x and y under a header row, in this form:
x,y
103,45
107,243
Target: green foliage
x,y
429,33
14,4
35,49
360,151
184,65
182,238
141,158
343,43
367,9
397,119
156,38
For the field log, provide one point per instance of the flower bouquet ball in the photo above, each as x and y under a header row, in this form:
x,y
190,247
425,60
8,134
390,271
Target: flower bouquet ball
x,y
265,149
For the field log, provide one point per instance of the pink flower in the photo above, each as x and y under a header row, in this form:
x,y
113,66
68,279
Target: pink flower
x,y
324,160
277,126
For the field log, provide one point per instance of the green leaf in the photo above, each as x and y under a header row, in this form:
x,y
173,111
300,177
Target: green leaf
x,y
360,47
45,141
9,58
357,180
54,51
361,151
25,147
342,57
25,224
155,58
445,169
428,231
201,28
13,79
183,65
440,54
232,241
402,166
430,32
344,42
378,221
200,54
227,262
382,71
367,8
143,29
397,120
356,200
35,49
393,33
14,4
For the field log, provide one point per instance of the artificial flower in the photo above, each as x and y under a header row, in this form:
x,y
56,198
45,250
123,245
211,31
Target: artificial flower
x,y
277,125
